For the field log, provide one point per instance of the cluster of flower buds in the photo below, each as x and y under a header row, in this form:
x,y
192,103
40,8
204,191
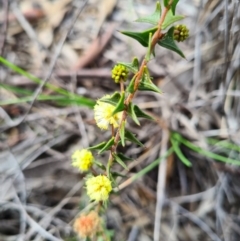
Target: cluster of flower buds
x,y
181,33
119,72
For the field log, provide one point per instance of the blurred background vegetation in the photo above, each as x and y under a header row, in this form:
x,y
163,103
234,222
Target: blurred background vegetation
x,y
56,60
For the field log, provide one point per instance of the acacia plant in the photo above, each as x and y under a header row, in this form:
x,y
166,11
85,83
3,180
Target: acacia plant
x,y
111,113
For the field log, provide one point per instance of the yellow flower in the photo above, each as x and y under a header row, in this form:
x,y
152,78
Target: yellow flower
x,y
87,225
103,114
82,159
98,188
119,72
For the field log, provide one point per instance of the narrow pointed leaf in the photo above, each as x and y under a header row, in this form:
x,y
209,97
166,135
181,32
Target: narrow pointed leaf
x,y
122,133
179,153
132,114
119,161
120,105
98,146
113,100
107,146
149,51
130,87
123,157
166,3
140,113
141,37
99,164
131,137
174,4
152,18
148,86
117,174
168,42
133,67
170,19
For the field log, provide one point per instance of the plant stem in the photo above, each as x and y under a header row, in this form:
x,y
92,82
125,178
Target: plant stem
x,y
156,37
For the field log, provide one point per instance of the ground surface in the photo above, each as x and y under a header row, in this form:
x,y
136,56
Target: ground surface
x,y
74,45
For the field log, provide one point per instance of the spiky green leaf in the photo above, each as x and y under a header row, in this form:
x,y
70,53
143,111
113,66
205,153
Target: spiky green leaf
x,y
132,113
174,4
107,146
166,3
120,105
98,146
117,174
131,137
134,66
123,157
113,100
100,165
170,19
149,50
152,18
168,42
122,133
146,83
140,113
141,37
130,87
119,161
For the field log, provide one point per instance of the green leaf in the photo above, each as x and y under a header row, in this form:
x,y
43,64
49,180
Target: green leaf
x,y
170,19
78,99
146,83
131,137
113,100
152,18
140,113
99,164
120,105
132,113
134,66
149,51
123,157
130,87
179,153
117,174
107,146
174,4
122,133
148,86
168,42
166,3
98,146
119,161
141,37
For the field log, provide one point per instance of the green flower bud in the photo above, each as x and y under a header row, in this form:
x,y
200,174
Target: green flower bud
x,y
119,72
181,33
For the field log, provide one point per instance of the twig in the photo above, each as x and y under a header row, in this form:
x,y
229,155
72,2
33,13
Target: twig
x,y
162,170
4,27
195,220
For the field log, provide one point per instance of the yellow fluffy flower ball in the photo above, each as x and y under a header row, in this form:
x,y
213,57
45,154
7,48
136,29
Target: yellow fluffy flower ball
x,y
98,188
119,72
103,114
82,159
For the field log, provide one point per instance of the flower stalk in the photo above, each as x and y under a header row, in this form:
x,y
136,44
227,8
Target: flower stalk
x,y
112,111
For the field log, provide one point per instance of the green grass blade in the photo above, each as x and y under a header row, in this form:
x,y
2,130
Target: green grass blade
x,y
208,153
225,144
74,98
179,153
